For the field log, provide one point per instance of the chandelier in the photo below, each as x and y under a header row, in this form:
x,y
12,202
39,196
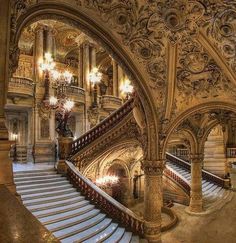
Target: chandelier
x,y
61,103
107,181
95,78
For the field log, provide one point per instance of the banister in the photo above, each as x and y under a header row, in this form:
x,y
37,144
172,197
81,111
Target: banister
x,y
205,174
102,127
109,205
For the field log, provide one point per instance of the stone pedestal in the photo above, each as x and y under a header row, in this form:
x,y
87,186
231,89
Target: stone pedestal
x,y
64,151
196,204
6,171
153,199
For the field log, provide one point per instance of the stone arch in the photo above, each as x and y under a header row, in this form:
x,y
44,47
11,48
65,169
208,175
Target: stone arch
x,y
94,29
196,109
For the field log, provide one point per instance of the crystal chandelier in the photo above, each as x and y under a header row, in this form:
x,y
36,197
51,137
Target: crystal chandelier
x,y
126,88
107,181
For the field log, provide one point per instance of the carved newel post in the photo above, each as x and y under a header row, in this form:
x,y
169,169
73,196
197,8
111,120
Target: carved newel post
x,y
196,183
153,199
64,152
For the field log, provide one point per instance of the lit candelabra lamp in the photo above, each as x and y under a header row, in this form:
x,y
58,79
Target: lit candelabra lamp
x,y
126,89
107,181
61,103
15,136
95,77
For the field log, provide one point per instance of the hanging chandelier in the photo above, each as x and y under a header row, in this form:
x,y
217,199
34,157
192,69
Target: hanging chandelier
x,y
107,181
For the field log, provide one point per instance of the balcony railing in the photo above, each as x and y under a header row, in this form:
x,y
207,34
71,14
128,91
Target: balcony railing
x,y
102,127
19,86
76,93
182,153
231,152
110,103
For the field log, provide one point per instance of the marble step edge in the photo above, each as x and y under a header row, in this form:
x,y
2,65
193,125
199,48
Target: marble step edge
x,y
78,212
54,204
58,210
38,201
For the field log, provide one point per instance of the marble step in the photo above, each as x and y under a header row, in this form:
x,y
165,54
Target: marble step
x,y
34,178
102,236
62,209
126,237
42,190
51,180
84,235
58,203
33,171
77,228
32,174
42,185
116,236
39,201
66,215
208,187
72,221
47,194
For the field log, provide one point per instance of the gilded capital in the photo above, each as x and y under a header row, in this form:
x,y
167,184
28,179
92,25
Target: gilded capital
x,y
153,167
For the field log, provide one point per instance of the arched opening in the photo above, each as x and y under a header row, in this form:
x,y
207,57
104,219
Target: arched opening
x,y
214,152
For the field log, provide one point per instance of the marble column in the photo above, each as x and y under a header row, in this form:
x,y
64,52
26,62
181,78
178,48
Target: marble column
x,y
38,50
115,78
153,199
49,40
6,172
81,68
120,79
93,57
86,70
196,183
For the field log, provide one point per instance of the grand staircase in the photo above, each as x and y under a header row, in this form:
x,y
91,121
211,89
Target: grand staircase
x,y
65,212
214,192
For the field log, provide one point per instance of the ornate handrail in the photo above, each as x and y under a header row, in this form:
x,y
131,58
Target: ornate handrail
x,y
102,127
205,174
106,203
177,178
21,85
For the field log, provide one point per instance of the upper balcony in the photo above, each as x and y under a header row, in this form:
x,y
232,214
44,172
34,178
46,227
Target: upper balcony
x,y
110,103
21,87
76,93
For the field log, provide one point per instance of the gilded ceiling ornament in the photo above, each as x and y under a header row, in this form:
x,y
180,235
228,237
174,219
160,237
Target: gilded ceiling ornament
x,y
198,76
220,26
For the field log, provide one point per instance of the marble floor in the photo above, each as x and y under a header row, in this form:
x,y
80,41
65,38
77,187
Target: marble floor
x,y
217,227
32,166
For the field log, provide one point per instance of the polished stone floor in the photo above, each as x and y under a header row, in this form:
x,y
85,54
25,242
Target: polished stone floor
x,y
17,224
217,227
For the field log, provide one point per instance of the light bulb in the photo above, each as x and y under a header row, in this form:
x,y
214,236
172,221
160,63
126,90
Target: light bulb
x,y
69,104
53,100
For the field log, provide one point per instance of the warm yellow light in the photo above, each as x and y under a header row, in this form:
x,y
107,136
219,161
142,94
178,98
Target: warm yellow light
x,y
14,136
67,76
95,76
107,180
48,63
69,104
53,100
126,87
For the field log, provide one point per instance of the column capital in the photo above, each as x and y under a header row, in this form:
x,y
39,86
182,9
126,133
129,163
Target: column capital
x,y
153,167
196,158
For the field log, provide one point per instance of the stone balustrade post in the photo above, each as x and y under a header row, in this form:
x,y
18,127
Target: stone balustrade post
x,y
64,150
153,199
196,203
